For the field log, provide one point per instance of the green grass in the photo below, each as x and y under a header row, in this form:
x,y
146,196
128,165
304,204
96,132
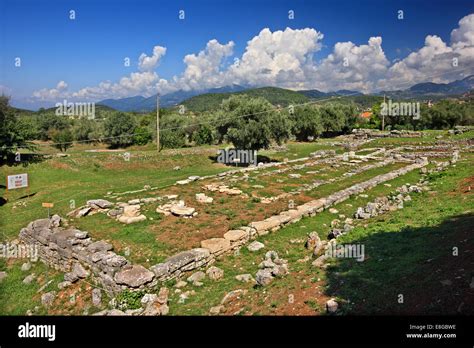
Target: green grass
x,y
15,297
359,279
399,245
407,236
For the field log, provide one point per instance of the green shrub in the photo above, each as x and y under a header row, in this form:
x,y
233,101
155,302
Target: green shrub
x,y
129,299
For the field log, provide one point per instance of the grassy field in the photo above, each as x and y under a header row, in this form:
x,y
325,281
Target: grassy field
x,y
398,244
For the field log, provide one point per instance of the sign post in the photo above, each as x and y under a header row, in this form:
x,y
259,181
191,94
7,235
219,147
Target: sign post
x,y
17,181
48,205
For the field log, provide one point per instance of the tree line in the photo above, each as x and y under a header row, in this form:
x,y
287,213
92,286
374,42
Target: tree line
x,y
251,123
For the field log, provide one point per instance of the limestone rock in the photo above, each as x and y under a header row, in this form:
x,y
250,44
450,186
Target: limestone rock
x,y
64,284
29,279
233,295
215,273
130,220
235,235
79,271
215,245
48,298
99,204
280,270
131,213
312,241
216,310
160,269
100,246
245,278
180,284
196,277
79,212
202,198
96,297
255,246
184,258
26,266
154,306
264,277
131,210
182,211
331,306
134,276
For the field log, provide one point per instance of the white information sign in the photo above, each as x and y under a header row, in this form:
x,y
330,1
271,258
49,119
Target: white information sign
x,y
17,181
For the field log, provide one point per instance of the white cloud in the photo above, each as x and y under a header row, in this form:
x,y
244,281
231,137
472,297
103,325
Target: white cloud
x,y
351,67
137,83
436,61
280,58
285,59
204,70
51,94
146,63
464,35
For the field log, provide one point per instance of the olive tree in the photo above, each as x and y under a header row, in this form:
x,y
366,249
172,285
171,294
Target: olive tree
x,y
252,123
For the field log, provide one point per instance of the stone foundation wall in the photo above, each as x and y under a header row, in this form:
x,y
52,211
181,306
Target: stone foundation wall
x,y
212,248
69,249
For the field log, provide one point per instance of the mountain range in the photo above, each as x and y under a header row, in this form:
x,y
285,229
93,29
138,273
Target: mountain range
x,y
434,90
198,100
142,104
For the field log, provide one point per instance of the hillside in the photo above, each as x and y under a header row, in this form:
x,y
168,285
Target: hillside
x,y
142,104
433,90
276,96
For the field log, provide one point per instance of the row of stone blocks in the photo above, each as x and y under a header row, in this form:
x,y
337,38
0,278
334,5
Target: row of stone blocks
x,y
234,239
62,248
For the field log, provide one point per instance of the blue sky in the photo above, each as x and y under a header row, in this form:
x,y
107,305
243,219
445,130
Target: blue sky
x,y
91,49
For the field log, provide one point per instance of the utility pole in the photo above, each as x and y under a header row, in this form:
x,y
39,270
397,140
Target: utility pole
x,y
158,122
383,114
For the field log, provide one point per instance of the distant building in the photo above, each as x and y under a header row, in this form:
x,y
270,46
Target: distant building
x,y
366,114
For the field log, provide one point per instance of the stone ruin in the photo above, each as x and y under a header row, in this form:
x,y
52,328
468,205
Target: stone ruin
x,y
130,214
73,251
362,133
177,208
270,268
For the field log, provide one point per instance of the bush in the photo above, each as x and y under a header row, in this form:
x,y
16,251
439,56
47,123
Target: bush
x,y
172,133
84,130
13,134
119,130
142,136
62,139
50,123
203,135
129,299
